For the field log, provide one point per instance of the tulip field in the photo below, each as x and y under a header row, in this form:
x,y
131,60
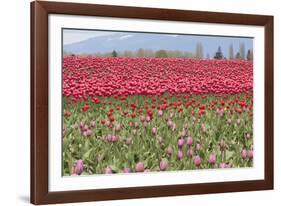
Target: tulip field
x,y
123,115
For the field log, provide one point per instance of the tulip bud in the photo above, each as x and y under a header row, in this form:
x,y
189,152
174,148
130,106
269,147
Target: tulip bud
x,y
142,118
212,159
78,167
93,124
114,138
189,153
147,118
180,154
203,128
244,153
189,141
126,170
229,121
136,125
154,131
170,123
139,167
163,165
108,170
160,113
183,132
238,122
224,165
169,151
117,127
128,141
109,137
145,124
197,160
198,147
250,154
180,142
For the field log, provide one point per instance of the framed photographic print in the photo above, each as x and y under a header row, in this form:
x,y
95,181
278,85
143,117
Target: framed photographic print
x,y
131,102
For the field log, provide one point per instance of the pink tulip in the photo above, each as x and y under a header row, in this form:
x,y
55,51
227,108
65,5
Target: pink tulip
x,y
180,154
250,154
224,165
197,160
114,138
78,167
117,127
128,141
126,170
160,113
198,147
180,142
139,167
142,118
238,122
147,118
108,170
244,153
93,124
154,130
189,141
183,132
212,159
169,151
229,121
189,153
163,165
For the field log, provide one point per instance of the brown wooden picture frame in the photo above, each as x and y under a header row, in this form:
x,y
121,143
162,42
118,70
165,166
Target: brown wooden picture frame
x,y
39,102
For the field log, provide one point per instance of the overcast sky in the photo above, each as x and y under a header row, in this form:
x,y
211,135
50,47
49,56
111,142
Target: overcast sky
x,y
210,43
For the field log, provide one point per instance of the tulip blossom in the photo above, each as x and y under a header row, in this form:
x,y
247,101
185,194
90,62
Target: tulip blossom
x,y
78,167
180,142
197,160
180,154
163,165
189,141
212,159
139,167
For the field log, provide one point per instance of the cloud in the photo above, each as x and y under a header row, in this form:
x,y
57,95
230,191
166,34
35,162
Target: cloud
x,y
72,36
125,36
173,35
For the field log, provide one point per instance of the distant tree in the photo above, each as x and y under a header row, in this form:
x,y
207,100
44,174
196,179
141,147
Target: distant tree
x,y
114,53
127,54
219,54
148,53
199,54
161,53
231,52
140,52
238,56
188,55
250,55
242,51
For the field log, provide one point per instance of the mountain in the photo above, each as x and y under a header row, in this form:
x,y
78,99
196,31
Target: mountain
x,y
130,41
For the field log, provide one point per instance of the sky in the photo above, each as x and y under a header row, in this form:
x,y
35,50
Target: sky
x,y
72,36
210,43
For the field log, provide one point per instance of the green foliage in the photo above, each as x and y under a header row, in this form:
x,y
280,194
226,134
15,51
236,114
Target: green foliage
x,y
97,153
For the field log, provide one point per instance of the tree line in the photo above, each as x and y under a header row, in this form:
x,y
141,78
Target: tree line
x,y
163,53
